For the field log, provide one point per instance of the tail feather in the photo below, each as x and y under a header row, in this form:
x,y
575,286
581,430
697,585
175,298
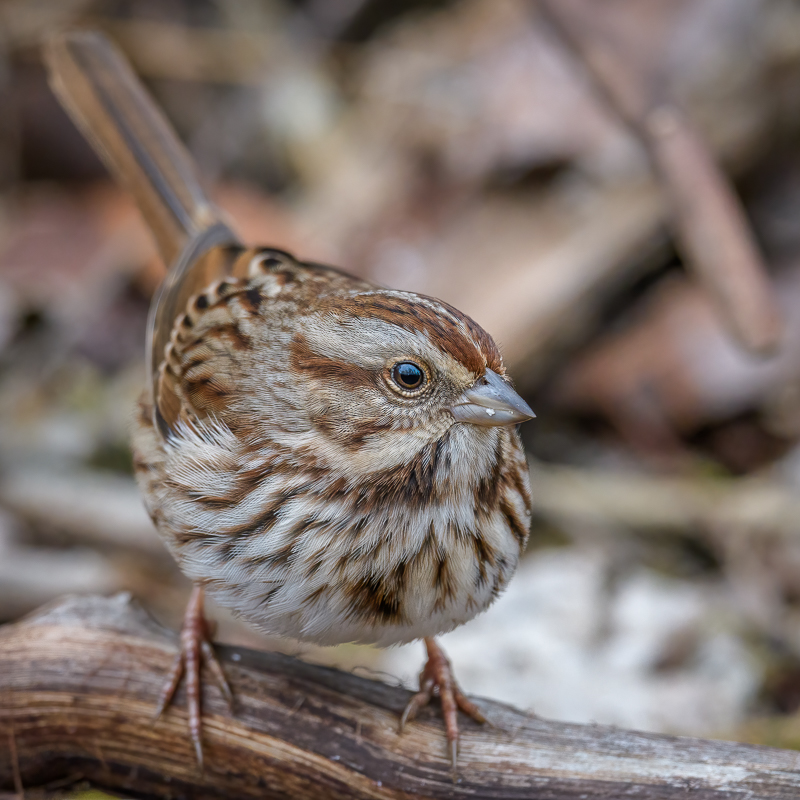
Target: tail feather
x,y
110,106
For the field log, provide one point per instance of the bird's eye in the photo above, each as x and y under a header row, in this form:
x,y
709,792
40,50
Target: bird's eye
x,y
408,376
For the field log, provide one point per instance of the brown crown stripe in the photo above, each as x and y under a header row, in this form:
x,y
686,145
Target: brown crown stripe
x,y
475,349
486,343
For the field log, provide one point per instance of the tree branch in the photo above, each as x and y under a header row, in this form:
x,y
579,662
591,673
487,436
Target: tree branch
x,y
79,681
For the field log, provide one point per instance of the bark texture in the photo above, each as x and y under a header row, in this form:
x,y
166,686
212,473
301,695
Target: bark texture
x,y
79,682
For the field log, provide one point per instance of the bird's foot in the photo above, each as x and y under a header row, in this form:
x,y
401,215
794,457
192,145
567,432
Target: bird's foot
x,y
195,650
437,678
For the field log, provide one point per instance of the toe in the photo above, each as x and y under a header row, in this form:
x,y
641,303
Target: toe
x,y
468,707
211,661
418,701
171,684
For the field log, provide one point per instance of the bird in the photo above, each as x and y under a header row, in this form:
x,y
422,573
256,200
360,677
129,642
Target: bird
x,y
331,460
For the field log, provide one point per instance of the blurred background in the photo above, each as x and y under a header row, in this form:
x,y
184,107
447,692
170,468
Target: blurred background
x,y
509,157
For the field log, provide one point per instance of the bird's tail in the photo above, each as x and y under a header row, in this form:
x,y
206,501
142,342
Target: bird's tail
x,y
108,103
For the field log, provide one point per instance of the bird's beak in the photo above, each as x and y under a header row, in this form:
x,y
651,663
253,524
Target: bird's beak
x,y
490,402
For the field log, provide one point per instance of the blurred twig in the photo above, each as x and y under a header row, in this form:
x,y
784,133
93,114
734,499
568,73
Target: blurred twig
x,y
646,503
93,508
177,52
710,223
24,23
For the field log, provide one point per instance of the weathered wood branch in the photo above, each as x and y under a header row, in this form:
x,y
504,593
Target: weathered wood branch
x,y
79,682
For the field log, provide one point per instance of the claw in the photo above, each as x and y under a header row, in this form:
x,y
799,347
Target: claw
x,y
195,650
418,701
437,676
198,751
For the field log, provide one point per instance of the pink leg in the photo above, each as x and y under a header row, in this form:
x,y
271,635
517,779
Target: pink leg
x,y
195,650
437,677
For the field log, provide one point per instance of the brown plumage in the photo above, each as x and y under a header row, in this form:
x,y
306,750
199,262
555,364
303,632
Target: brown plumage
x,y
334,461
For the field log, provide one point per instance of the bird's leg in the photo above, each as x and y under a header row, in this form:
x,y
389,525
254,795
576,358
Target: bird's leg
x,y
437,678
195,650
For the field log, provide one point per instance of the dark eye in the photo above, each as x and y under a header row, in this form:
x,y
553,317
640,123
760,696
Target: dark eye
x,y
407,375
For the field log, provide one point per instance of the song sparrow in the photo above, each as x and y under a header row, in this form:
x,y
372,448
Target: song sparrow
x,y
333,461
